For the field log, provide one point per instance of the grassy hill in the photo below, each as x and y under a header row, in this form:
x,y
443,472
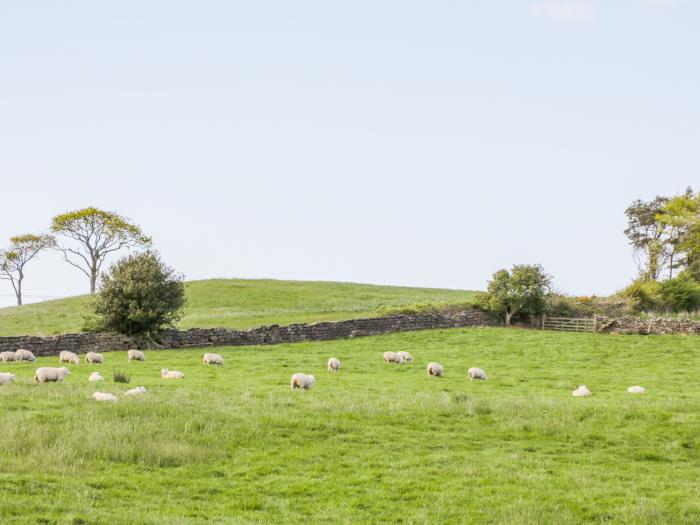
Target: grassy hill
x,y
239,303
375,443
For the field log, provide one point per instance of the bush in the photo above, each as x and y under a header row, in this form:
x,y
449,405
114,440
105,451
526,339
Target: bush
x,y
425,308
121,376
643,295
680,294
139,295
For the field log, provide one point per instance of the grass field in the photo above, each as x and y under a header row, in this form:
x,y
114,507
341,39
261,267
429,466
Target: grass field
x,y
374,444
239,303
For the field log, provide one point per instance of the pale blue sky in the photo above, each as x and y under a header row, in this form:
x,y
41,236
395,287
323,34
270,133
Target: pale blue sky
x,y
414,143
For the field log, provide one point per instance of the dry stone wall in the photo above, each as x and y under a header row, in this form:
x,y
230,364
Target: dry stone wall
x,y
634,325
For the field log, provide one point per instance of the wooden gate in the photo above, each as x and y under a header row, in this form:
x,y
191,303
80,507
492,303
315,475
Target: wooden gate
x,y
569,324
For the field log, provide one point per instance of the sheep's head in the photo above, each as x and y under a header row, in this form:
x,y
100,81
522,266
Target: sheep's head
x,y
65,370
163,371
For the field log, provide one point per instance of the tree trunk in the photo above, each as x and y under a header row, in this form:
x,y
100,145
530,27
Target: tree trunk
x,y
508,316
93,278
18,289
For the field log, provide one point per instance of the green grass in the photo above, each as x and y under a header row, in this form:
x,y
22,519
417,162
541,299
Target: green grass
x,y
374,444
239,303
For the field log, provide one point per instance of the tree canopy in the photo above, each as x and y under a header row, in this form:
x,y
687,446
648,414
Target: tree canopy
x,y
523,290
22,249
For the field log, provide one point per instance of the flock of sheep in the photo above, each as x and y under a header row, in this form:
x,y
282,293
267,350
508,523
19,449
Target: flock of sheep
x,y
298,381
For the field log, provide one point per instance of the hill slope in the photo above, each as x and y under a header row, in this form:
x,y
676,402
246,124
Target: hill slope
x,y
239,303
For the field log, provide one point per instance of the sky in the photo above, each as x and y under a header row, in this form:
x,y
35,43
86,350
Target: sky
x,y
389,142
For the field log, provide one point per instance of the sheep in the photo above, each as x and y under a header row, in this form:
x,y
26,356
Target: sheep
x,y
333,364
47,373
303,381
104,396
212,359
435,369
393,357
477,373
171,374
581,391
68,357
24,355
136,355
95,376
8,356
94,358
408,358
636,390
136,391
6,378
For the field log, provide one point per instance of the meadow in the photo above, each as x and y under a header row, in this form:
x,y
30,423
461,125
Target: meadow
x,y
375,443
239,303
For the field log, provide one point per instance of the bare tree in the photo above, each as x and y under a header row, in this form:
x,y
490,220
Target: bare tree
x,y
23,248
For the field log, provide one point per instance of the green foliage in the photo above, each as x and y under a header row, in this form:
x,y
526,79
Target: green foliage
x,y
680,294
121,376
23,248
522,291
140,295
559,305
643,296
426,308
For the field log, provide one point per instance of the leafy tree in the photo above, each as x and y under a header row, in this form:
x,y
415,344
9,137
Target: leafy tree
x,y
643,295
23,248
681,218
139,296
523,290
90,235
681,293
646,235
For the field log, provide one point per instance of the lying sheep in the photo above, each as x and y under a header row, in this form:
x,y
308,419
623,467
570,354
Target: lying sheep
x,y
6,378
136,391
581,391
24,355
303,381
104,396
333,364
95,376
408,358
636,390
68,357
136,355
94,358
393,357
47,373
435,369
8,356
477,373
171,374
212,359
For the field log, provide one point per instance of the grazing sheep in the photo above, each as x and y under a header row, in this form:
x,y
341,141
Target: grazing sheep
x,y
213,359
94,358
477,373
68,357
95,376
581,391
136,391
435,369
393,357
8,356
47,373
24,355
636,390
6,378
171,374
333,364
136,355
104,396
303,381
408,358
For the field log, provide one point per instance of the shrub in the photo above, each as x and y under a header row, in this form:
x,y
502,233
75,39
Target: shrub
x,y
643,296
120,376
139,295
681,293
425,308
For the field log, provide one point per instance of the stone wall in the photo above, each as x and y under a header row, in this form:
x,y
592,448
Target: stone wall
x,y
265,335
634,325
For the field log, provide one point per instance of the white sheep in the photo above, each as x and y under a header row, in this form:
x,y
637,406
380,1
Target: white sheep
x,y
68,357
392,357
581,391
95,376
8,356
104,396
94,358
136,391
136,355
212,359
47,373
171,374
477,373
333,364
636,390
6,378
435,369
25,355
408,358
303,381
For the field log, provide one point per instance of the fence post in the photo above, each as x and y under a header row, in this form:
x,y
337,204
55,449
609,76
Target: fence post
x,y
544,320
595,323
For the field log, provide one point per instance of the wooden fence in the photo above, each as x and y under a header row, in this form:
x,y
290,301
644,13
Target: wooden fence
x,y
569,324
